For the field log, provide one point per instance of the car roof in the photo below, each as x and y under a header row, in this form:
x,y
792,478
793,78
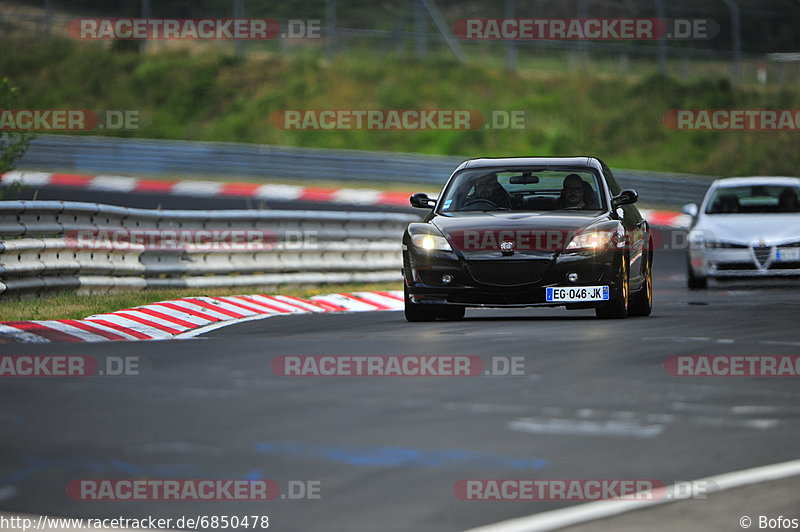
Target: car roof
x,y
493,162
756,180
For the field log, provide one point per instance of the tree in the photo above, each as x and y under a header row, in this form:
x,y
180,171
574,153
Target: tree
x,y
13,145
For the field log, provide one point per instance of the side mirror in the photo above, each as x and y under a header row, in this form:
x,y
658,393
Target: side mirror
x,y
626,197
690,209
422,201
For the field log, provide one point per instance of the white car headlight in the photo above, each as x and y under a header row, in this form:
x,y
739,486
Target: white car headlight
x,y
594,240
431,242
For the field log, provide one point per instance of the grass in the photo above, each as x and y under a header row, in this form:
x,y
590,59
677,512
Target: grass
x,y
70,305
217,97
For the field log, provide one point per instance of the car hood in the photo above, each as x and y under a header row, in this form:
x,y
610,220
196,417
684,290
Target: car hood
x,y
479,235
750,228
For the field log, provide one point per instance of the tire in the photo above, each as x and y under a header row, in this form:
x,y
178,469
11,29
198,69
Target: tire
x,y
642,301
450,312
617,308
417,313
694,282
414,312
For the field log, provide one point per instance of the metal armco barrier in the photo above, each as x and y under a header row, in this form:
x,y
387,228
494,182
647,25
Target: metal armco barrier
x,y
48,245
140,156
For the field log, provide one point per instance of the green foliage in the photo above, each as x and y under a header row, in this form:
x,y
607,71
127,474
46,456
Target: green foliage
x,y
211,95
12,145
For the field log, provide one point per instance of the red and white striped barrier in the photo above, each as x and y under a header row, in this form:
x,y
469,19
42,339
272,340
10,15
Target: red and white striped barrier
x,y
168,319
210,189
269,191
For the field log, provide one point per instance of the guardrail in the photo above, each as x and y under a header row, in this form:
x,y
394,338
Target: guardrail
x,y
48,245
142,156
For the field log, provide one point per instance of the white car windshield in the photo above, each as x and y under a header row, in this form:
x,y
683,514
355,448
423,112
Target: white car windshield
x,y
492,189
755,199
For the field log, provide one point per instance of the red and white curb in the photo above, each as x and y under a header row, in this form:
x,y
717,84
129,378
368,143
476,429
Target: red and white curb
x,y
189,316
669,219
210,189
273,192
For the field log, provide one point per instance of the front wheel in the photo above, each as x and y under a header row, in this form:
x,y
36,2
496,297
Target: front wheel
x,y
694,282
617,308
415,312
642,302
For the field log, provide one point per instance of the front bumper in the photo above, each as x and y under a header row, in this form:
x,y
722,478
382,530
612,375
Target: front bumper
x,y
756,261
491,280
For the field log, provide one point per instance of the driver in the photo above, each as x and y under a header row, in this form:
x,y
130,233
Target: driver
x,y
489,189
572,193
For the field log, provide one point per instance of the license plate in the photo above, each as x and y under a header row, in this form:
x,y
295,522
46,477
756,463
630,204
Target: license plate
x,y
787,254
576,293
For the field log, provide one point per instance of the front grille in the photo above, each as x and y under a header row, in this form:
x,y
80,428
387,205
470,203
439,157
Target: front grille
x,y
734,266
508,273
762,254
785,266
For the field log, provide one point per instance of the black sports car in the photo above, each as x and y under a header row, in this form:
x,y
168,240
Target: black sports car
x,y
528,231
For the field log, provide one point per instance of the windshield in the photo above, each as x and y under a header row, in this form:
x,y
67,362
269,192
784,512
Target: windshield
x,y
754,199
523,189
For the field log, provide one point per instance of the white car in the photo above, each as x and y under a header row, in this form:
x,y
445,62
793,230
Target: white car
x,y
745,227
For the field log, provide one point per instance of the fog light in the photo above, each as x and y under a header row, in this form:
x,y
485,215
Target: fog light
x,y
572,277
447,278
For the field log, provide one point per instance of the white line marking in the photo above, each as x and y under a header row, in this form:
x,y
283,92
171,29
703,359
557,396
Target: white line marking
x,y
71,330
221,324
115,183
583,427
21,336
152,332
279,192
109,329
197,188
593,511
356,196
33,179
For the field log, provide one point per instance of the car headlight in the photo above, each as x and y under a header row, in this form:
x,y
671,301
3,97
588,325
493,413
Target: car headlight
x,y
594,240
430,242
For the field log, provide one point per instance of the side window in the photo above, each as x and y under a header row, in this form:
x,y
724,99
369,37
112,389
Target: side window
x,y
611,180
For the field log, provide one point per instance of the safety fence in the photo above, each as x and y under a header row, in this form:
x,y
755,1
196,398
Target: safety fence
x,y
47,245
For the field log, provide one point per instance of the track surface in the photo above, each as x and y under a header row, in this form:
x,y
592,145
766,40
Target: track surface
x,y
388,450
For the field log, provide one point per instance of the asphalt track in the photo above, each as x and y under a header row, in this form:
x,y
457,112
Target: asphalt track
x,y
595,402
